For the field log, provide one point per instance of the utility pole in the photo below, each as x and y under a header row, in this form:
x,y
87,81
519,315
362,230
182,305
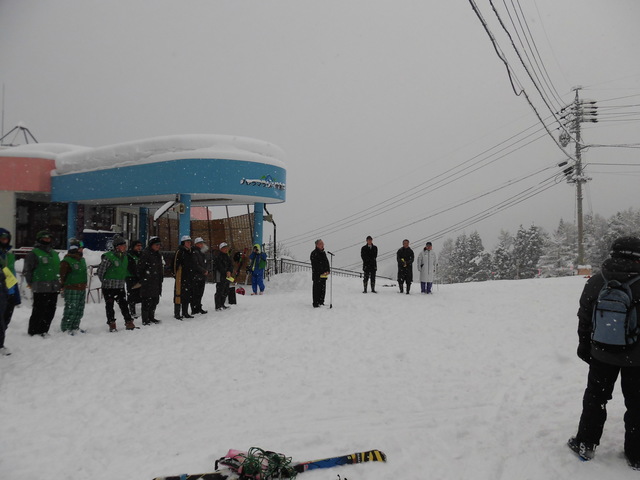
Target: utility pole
x,y
573,115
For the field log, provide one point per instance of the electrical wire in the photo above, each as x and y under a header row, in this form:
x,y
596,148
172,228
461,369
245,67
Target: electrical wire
x,y
493,210
528,48
469,221
419,190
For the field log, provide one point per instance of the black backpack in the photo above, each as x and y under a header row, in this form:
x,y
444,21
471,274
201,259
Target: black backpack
x,y
615,321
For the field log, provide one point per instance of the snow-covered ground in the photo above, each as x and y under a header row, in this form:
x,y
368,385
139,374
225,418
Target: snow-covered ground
x,y
478,381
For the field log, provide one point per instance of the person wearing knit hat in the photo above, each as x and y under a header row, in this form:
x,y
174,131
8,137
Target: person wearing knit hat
x,y
41,270
222,268
151,275
184,271
132,282
200,275
112,272
606,362
73,278
257,264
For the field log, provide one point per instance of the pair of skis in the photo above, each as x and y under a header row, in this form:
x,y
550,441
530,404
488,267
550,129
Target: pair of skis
x,y
228,474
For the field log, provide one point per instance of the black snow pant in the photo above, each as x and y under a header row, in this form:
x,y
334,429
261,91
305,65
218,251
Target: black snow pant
x,y
369,273
4,304
405,275
183,298
133,294
319,291
196,296
44,309
5,318
148,310
119,296
222,290
601,380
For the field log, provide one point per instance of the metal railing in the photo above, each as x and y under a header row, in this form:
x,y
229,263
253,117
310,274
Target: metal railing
x,y
286,265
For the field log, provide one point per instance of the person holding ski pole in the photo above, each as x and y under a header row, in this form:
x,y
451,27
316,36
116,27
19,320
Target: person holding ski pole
x,y
427,267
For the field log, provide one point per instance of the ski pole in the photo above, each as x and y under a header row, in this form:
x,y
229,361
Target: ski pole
x,y
331,282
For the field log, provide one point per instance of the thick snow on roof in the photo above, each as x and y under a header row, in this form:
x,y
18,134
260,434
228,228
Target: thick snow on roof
x,y
41,150
174,147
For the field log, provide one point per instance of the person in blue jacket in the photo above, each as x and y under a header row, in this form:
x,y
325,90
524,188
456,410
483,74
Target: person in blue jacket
x,y
257,264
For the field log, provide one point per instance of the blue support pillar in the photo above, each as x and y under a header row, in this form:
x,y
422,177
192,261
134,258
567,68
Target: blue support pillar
x,y
185,218
258,213
142,223
72,219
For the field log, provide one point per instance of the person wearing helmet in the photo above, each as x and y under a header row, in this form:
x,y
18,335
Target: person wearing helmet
x,y
42,273
112,272
8,261
73,277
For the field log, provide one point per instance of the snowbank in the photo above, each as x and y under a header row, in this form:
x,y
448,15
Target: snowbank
x,y
42,150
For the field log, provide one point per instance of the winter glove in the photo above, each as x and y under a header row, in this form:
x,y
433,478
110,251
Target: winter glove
x,y
584,351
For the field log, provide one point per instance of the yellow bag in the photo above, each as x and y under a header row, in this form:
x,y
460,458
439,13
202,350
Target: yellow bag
x,y
10,278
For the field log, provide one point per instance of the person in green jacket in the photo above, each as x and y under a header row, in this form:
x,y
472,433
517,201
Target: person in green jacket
x,y
7,260
73,277
42,272
112,272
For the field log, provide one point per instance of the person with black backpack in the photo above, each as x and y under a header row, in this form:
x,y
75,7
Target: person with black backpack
x,y
609,342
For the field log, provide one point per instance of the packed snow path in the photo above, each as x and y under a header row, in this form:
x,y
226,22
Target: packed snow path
x,y
478,381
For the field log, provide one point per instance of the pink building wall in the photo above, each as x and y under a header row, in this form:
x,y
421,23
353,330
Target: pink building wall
x,y
24,174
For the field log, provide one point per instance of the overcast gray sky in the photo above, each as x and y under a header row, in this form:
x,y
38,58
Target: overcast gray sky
x,y
370,99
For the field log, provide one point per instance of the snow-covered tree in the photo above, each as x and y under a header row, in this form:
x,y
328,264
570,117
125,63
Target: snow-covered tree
x,y
560,251
444,269
503,266
527,249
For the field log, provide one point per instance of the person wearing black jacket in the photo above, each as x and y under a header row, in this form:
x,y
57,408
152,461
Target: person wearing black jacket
x,y
369,254
222,268
185,268
150,273
405,257
200,275
606,363
320,270
132,282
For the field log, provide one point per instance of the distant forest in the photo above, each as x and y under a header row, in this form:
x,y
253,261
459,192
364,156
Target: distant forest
x,y
533,252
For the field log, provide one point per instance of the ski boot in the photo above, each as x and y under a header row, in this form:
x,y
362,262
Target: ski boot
x,y
586,451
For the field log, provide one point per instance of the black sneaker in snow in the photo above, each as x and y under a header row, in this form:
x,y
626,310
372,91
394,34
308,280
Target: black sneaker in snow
x,y
586,451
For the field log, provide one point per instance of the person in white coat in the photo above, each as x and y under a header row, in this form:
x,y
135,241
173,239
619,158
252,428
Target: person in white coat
x,y
427,263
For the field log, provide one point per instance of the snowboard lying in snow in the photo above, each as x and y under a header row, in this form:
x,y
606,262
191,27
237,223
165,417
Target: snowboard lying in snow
x,y
233,473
